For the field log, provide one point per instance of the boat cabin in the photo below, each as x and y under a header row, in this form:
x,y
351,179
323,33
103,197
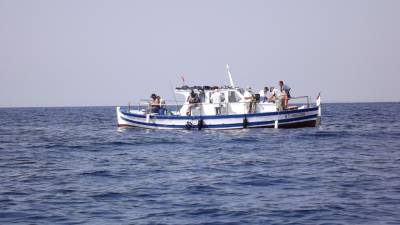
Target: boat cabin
x,y
232,101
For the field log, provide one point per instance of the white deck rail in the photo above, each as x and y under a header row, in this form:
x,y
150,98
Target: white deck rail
x,y
144,105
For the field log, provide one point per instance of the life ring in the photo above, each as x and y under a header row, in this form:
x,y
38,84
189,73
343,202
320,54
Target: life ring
x,y
189,125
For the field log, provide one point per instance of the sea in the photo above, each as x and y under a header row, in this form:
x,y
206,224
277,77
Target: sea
x,y
73,165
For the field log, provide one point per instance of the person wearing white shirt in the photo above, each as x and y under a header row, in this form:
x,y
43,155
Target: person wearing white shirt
x,y
249,99
276,97
216,100
264,94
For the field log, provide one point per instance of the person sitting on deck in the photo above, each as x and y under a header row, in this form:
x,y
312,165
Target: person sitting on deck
x,y
154,103
250,100
193,99
285,89
272,95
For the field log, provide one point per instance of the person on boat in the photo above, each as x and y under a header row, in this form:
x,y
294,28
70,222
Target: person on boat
x,y
250,100
272,95
275,96
162,109
202,95
154,103
264,94
193,100
216,100
285,89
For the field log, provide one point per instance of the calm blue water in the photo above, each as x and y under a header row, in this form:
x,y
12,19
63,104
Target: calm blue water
x,y
74,166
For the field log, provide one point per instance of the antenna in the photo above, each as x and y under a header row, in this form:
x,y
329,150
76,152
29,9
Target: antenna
x,y
230,76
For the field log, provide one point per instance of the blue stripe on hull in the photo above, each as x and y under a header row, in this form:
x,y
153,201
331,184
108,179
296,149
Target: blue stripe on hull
x,y
221,116
219,126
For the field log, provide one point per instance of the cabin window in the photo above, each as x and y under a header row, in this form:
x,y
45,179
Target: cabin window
x,y
202,96
208,97
223,99
233,97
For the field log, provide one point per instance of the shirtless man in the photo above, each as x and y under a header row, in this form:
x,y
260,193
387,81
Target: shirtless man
x,y
285,89
154,103
193,99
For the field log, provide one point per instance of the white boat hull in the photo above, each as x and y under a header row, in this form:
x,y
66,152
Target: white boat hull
x,y
308,117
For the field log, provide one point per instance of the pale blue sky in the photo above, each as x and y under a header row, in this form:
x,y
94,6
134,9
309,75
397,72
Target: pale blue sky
x,y
78,53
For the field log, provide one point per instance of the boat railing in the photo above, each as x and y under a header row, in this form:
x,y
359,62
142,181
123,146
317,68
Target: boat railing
x,y
144,105
306,98
166,102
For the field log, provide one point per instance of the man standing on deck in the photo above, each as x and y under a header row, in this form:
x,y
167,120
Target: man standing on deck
x,y
193,100
285,89
276,97
216,100
250,100
154,103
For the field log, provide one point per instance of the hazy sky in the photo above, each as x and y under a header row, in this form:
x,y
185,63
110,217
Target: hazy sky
x,y
77,52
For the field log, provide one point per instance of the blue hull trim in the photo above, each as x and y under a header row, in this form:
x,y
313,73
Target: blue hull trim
x,y
221,116
233,125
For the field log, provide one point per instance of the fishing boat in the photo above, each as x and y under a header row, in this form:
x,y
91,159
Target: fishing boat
x,y
233,111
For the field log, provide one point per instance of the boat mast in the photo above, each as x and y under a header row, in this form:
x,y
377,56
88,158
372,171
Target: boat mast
x,y
230,76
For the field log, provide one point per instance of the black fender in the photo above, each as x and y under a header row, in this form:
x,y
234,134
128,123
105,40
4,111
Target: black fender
x,y
188,125
200,124
245,122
